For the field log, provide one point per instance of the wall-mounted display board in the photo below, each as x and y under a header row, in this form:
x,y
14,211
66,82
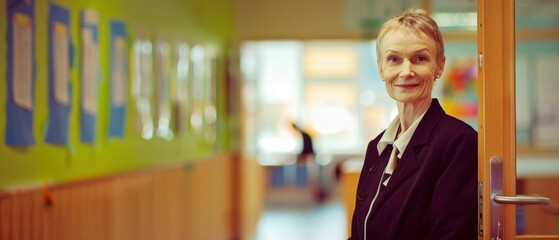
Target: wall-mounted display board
x,y
142,84
20,68
118,78
197,89
59,59
210,113
162,87
182,73
89,74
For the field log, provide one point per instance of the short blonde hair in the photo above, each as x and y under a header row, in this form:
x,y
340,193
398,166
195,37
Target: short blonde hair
x,y
415,21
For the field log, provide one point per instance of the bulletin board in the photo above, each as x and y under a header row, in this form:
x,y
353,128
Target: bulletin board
x,y
88,148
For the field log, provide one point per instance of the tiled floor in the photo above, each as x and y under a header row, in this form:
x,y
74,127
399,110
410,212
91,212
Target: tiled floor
x,y
303,221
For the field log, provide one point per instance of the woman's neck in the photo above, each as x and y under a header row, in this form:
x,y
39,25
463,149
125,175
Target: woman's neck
x,y
409,112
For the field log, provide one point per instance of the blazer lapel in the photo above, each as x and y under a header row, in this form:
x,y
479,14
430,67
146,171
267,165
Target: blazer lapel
x,y
409,162
405,169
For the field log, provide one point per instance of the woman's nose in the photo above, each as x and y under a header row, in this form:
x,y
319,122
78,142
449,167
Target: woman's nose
x,y
407,70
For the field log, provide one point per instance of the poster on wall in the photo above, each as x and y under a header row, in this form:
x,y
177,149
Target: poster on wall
x,y
118,78
59,54
210,112
162,88
182,77
20,72
142,82
89,73
460,89
197,91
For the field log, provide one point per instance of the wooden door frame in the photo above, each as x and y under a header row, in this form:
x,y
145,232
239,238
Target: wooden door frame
x,y
497,108
496,104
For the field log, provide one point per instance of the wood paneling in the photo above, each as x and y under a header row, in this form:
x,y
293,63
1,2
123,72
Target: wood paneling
x,y
252,183
194,202
349,190
541,219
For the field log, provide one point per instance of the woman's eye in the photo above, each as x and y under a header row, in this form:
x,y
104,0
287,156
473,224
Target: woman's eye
x,y
421,59
393,59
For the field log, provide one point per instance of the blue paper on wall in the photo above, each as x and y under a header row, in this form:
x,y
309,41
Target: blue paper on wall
x,y
118,78
89,74
59,57
20,72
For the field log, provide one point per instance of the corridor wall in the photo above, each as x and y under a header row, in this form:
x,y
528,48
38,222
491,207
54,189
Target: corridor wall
x,y
196,22
192,185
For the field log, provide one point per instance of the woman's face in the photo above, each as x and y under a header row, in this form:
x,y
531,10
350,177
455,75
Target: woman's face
x,y
408,64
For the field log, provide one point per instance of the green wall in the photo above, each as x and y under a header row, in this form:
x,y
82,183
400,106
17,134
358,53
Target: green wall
x,y
208,22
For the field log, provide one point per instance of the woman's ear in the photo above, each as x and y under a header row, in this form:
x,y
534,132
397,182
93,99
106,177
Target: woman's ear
x,y
380,71
440,67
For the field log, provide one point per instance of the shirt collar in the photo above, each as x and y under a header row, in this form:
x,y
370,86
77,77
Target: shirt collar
x,y
390,134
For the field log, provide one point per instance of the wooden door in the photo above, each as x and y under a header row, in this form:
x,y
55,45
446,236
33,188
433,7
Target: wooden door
x,y
497,124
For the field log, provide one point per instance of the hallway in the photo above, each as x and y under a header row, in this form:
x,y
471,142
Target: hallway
x,y
326,221
291,212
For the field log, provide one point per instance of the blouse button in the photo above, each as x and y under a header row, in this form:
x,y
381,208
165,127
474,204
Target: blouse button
x,y
361,196
372,170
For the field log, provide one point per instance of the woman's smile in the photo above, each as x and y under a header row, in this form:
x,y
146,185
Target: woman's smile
x,y
407,85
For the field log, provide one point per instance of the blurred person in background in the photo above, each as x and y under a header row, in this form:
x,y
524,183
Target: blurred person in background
x,y
307,151
419,178
306,158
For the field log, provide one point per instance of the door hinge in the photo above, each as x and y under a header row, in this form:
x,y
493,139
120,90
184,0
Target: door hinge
x,y
480,209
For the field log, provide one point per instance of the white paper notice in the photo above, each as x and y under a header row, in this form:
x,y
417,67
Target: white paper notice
x,y
90,17
119,73
146,66
61,62
22,61
90,60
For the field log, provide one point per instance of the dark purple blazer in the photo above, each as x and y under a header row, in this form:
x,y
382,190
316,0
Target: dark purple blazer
x,y
432,193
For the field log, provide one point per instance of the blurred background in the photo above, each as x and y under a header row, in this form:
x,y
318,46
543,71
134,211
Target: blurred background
x,y
202,146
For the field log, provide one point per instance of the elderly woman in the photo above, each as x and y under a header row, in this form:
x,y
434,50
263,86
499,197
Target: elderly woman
x,y
419,178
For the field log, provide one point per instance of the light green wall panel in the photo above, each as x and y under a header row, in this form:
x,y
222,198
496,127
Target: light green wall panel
x,y
198,21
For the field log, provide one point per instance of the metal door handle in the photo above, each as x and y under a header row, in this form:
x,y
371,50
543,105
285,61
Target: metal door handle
x,y
497,200
522,200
